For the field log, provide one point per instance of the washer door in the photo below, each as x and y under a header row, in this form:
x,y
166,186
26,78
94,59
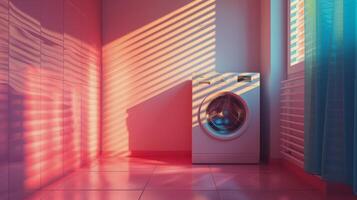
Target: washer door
x,y
224,115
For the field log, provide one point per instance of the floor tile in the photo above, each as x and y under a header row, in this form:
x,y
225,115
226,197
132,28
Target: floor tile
x,y
104,180
339,197
156,179
234,181
242,168
181,181
182,169
87,195
264,195
4,196
258,181
180,195
121,167
283,181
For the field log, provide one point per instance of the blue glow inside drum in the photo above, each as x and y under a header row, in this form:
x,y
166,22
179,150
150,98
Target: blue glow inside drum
x,y
226,114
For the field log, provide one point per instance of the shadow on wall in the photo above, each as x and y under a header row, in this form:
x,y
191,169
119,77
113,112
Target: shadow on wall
x,y
47,128
146,80
163,108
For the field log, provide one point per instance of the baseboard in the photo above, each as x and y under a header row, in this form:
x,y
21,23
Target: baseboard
x,y
275,161
338,188
327,188
109,154
211,158
160,153
147,154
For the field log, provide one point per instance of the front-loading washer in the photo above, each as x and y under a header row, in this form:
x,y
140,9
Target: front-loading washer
x,y
226,118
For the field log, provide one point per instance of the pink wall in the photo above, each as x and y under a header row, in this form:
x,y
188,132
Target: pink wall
x,y
273,68
238,35
151,48
149,54
49,90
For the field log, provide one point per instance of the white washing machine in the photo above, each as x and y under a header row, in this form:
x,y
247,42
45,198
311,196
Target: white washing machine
x,y
226,118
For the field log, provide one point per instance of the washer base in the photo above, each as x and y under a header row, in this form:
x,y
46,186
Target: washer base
x,y
198,158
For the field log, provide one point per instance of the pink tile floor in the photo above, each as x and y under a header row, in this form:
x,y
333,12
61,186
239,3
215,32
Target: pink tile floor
x,y
177,179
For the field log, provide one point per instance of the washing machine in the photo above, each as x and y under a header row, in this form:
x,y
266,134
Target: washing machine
x,y
226,118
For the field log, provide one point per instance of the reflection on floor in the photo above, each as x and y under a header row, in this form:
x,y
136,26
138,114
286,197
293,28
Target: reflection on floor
x,y
177,179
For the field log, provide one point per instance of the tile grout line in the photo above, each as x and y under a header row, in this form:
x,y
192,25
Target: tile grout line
x,y
214,181
63,92
8,99
41,100
147,182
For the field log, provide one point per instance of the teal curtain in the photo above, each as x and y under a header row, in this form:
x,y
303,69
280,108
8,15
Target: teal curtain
x,y
330,90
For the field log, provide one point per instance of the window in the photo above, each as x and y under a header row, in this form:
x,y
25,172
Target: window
x,y
296,34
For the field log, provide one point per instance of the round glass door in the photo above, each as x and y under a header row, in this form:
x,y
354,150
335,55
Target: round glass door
x,y
224,115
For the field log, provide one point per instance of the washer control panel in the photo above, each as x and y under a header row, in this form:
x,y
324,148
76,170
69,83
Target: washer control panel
x,y
244,78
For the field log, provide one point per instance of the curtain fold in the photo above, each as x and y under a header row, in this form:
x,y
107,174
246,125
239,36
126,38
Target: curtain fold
x,y
330,90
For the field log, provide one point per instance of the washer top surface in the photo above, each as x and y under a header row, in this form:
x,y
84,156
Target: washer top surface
x,y
213,79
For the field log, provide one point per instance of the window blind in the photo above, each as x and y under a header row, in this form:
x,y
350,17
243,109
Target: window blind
x,y
297,38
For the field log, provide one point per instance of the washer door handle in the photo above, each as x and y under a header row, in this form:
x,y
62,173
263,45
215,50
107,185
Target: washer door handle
x,y
204,82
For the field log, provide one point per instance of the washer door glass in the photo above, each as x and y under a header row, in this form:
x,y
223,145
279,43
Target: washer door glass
x,y
225,114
